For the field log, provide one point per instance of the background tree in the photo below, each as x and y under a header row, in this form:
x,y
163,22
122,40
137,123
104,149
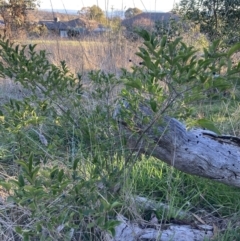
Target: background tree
x,y
93,13
217,18
14,14
131,12
114,23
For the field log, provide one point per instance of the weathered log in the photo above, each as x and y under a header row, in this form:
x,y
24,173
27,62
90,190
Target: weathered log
x,y
197,151
130,231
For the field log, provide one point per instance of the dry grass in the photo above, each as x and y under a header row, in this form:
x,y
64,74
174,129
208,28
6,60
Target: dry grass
x,y
108,53
10,90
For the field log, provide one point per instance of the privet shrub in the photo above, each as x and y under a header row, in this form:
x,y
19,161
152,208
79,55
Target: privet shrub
x,y
61,160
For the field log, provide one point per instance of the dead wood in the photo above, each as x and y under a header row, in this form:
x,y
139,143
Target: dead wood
x,y
196,151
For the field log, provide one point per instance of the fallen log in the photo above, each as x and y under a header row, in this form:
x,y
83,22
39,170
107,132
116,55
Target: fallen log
x,y
196,151
130,231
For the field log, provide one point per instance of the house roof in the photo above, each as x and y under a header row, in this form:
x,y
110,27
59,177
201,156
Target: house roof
x,y
75,23
148,18
54,25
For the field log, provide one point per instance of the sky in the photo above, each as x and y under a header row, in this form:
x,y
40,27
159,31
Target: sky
x,y
145,5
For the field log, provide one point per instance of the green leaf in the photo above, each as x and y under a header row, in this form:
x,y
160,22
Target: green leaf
x,y
5,185
16,183
149,46
91,225
39,227
163,41
153,105
21,182
222,84
235,48
35,172
100,221
113,223
112,231
144,34
32,47
110,226
30,162
116,204
75,163
23,165
29,178
16,49
60,175
17,106
204,123
54,172
18,230
11,199
135,84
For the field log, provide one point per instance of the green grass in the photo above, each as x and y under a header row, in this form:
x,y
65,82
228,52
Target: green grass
x,y
215,203
158,181
224,114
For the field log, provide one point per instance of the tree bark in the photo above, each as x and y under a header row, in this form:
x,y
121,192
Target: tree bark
x,y
197,151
